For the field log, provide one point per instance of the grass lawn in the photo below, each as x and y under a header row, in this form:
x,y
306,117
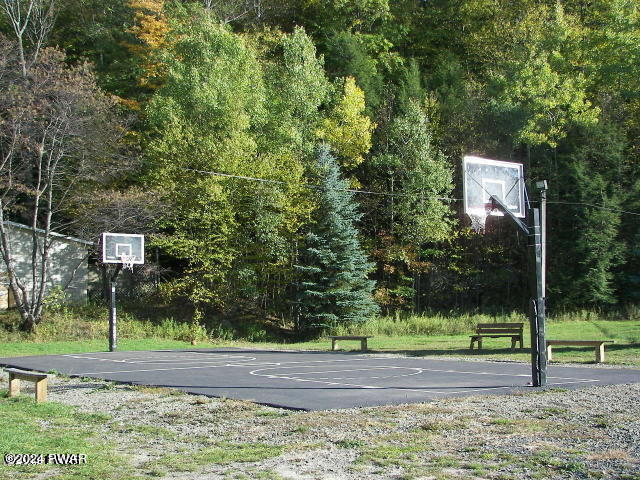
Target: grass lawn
x,y
626,350
50,427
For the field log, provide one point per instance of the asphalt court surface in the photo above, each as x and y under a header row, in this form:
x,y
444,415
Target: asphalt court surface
x,y
315,380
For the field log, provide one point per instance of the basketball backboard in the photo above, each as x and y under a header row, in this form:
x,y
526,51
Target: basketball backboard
x,y
484,177
120,247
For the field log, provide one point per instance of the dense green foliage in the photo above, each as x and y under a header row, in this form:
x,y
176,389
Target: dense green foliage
x,y
231,99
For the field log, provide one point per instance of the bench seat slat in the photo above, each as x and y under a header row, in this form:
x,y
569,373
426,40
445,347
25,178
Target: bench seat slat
x,y
26,374
501,325
350,337
490,331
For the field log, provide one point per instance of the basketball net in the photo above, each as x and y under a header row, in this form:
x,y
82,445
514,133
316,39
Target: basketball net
x,y
479,220
127,261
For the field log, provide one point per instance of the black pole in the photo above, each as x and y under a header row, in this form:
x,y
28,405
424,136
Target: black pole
x,y
113,337
536,308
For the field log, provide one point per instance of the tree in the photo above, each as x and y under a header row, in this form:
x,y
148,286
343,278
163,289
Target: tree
x,y
151,30
56,136
338,15
347,57
98,32
31,22
334,288
588,237
346,128
419,178
417,173
296,90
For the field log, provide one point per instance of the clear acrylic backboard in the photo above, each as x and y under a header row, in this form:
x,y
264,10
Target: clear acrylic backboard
x,y
483,178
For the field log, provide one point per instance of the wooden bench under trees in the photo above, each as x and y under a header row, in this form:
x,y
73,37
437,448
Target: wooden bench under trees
x,y
40,379
362,338
498,330
597,344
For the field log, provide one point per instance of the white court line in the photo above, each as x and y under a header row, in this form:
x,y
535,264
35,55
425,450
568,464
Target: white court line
x,y
162,354
505,374
419,370
212,366
416,371
194,361
463,372
418,389
206,360
156,369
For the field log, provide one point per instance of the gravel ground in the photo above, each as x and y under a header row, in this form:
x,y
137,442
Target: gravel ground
x,y
592,432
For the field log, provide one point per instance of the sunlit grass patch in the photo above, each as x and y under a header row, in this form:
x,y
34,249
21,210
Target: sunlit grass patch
x,y
221,453
27,427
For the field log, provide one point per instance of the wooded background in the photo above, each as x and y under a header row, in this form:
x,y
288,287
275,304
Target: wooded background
x,y
204,125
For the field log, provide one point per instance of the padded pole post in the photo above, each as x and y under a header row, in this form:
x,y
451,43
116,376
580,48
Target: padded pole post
x,y
536,309
113,336
113,342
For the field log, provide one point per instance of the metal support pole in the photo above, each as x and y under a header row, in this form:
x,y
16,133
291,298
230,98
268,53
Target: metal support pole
x,y
542,186
536,309
113,336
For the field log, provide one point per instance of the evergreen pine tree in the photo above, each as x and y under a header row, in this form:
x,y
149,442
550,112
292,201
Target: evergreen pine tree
x,y
334,287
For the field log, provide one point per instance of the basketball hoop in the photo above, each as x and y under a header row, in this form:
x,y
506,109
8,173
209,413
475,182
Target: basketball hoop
x,y
479,220
127,261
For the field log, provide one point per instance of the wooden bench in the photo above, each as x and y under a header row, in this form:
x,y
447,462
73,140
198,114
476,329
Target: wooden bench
x,y
40,379
362,338
497,330
597,344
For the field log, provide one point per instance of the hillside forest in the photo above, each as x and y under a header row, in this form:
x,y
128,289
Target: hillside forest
x,y
301,159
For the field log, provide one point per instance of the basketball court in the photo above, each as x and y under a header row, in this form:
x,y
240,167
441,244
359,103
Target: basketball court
x,y
314,380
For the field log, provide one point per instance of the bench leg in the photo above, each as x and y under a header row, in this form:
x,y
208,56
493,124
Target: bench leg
x,y
14,385
600,353
513,342
549,356
363,344
333,344
480,343
41,390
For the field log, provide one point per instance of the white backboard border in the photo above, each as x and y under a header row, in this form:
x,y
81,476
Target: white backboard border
x,y
122,247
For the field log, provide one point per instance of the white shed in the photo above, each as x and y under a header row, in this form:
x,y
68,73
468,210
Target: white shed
x,y
68,263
